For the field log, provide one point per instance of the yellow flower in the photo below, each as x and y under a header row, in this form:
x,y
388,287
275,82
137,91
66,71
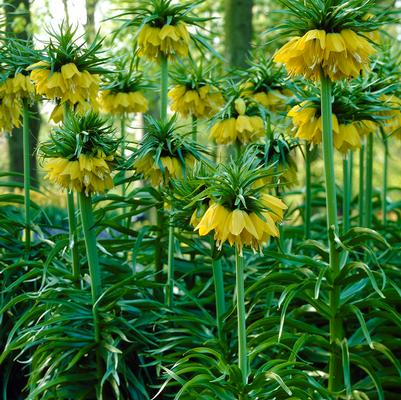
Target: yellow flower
x,y
68,85
10,113
341,55
89,174
244,128
308,126
20,86
240,227
170,41
201,103
151,170
123,102
80,108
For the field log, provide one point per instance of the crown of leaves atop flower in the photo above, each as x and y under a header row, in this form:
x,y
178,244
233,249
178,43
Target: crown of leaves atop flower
x,y
238,184
165,139
263,74
334,15
88,134
16,55
194,75
125,77
158,13
66,47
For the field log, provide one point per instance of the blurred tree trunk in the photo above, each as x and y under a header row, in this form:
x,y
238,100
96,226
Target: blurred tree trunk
x,y
15,139
238,31
90,19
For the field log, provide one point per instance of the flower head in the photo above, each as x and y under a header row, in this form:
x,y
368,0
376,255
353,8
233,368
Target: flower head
x,y
240,211
68,72
331,37
164,153
81,154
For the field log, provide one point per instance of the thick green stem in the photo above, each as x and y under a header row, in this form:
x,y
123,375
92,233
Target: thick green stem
x,y
346,194
122,150
385,181
361,185
170,265
308,191
242,347
218,278
27,174
369,182
164,88
85,203
194,128
73,237
336,331
159,251
90,244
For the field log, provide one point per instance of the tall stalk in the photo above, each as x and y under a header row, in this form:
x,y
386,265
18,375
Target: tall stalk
x,y
346,193
85,203
194,128
170,264
308,191
385,180
242,347
73,237
362,184
72,223
369,182
336,331
27,174
218,278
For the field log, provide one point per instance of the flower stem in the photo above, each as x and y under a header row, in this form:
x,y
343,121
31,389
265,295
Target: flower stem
x,y
308,191
159,250
170,263
369,182
346,194
385,180
27,174
242,347
163,87
194,128
85,203
361,184
218,278
73,237
122,149
336,331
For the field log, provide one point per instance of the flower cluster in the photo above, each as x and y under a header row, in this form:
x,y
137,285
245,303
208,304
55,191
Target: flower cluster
x,y
241,127
308,124
339,54
123,103
87,173
169,41
68,85
201,102
80,155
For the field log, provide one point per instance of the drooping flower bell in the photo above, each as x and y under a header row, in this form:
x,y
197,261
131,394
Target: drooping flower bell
x,y
195,93
163,27
122,92
164,153
332,38
239,121
240,211
81,154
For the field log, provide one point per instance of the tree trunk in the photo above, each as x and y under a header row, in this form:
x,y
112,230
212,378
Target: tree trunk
x,y
90,19
15,139
238,30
